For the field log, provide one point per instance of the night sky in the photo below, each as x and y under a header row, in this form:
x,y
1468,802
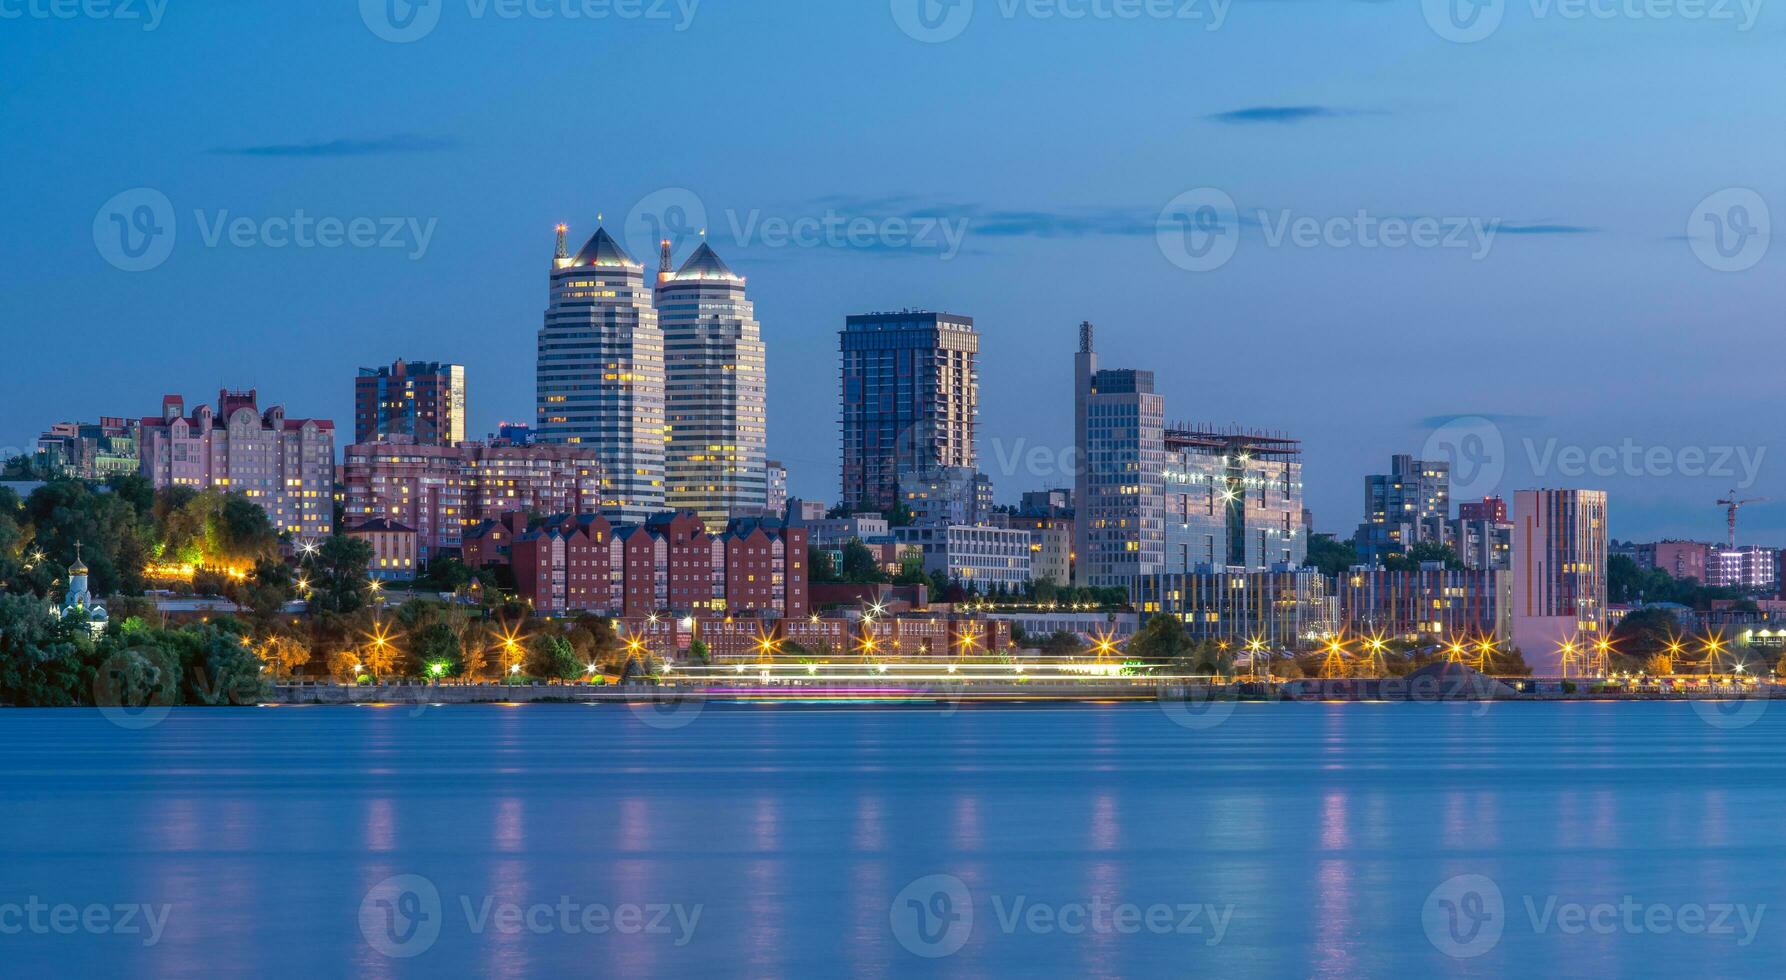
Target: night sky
x,y
1603,313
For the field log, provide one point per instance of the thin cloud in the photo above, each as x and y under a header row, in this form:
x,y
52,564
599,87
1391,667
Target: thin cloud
x,y
377,146
1282,114
1546,229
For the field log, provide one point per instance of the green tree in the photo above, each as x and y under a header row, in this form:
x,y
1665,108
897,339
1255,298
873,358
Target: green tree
x,y
698,652
1062,643
1645,633
860,566
550,656
437,652
1162,641
1332,557
337,574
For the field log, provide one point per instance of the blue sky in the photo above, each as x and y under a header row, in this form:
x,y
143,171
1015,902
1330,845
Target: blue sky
x,y
1590,142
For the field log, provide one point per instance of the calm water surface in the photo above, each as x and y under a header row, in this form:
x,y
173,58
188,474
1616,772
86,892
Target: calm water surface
x,y
1312,840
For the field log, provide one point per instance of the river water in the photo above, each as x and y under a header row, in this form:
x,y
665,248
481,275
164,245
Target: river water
x,y
1269,840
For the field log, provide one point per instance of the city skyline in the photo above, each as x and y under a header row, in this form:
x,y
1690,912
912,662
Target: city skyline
x,y
1307,318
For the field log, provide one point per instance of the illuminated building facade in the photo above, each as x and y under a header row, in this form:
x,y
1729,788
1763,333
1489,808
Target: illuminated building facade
x,y
1233,499
910,400
443,491
92,451
1559,573
600,374
287,466
670,564
1433,604
715,394
983,558
1285,610
1404,507
423,402
1119,491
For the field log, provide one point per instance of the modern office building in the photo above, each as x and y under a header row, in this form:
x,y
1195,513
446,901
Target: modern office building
x,y
1406,506
982,558
92,450
1559,574
600,375
1233,500
910,400
715,389
1431,605
1119,426
420,401
1284,610
285,465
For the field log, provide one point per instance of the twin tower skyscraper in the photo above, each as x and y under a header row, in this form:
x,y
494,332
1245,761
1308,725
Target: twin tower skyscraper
x,y
666,383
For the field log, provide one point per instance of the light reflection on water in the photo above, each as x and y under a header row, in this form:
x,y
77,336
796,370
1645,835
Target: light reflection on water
x,y
1324,827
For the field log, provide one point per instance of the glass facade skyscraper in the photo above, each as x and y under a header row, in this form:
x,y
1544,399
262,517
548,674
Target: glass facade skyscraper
x,y
600,376
715,395
911,400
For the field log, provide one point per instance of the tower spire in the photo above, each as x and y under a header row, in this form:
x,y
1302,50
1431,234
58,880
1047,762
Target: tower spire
x,y
1085,332
564,251
664,268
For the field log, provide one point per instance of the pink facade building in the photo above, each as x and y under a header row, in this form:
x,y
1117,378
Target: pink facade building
x,y
442,491
287,466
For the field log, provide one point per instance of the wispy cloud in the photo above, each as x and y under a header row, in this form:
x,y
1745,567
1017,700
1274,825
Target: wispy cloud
x,y
1545,228
376,146
1283,114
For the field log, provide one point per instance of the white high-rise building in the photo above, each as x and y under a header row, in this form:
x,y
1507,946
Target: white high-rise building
x,y
600,373
715,402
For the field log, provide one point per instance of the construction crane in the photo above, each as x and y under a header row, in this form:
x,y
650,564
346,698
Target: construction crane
x,y
1733,505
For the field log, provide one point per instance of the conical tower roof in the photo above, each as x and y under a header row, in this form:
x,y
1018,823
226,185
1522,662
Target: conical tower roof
x,y
602,249
706,264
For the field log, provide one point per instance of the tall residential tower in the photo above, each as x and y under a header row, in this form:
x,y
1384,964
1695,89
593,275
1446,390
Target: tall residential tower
x,y
600,377
715,389
911,400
